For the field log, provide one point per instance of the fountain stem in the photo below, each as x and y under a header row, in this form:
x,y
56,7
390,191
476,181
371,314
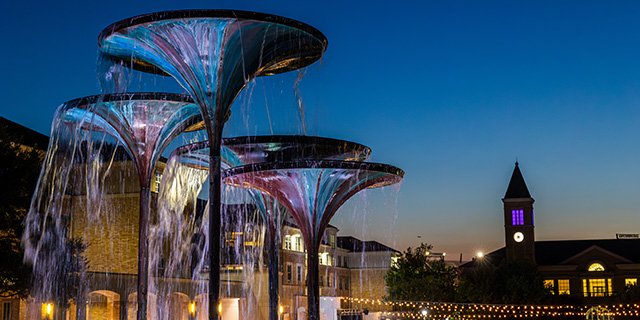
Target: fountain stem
x,y
313,290
215,139
272,249
143,251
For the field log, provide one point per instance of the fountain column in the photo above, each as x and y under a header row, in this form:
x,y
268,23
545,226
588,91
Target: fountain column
x,y
312,191
144,123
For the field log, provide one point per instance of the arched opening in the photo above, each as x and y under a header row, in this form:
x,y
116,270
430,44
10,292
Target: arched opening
x,y
595,267
132,309
301,313
103,305
179,306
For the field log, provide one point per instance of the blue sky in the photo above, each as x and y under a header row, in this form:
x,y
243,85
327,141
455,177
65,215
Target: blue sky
x,y
453,92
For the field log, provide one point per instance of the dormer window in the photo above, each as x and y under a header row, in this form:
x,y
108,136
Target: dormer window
x,y
596,267
517,217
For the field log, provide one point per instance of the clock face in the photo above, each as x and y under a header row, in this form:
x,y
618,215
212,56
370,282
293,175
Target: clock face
x,y
518,236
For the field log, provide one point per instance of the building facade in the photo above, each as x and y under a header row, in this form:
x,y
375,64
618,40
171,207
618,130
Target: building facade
x,y
591,271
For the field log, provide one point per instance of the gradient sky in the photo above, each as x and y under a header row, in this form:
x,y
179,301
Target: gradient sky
x,y
453,92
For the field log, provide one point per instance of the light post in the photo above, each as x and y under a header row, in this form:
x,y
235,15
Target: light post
x,y
424,313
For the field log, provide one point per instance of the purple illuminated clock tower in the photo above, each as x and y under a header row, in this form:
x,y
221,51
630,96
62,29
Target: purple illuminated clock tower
x,y
518,219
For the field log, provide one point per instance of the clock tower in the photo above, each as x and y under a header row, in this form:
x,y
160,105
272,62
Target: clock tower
x,y
518,219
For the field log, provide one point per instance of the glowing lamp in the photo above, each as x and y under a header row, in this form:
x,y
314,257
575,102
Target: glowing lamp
x,y
281,309
480,254
220,308
192,308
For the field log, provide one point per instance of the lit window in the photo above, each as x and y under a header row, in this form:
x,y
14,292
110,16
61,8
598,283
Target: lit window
x,y
563,286
300,244
394,261
287,242
596,267
548,284
157,182
631,282
333,241
517,217
596,287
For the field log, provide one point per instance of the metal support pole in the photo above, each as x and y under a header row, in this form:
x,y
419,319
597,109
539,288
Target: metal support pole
x,y
143,251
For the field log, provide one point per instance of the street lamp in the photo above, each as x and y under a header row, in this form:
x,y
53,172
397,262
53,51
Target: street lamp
x,y
424,313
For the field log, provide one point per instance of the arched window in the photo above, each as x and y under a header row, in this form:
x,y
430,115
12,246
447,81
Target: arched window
x,y
596,267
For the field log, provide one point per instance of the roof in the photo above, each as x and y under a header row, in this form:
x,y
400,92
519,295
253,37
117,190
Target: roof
x,y
356,245
549,253
517,187
27,136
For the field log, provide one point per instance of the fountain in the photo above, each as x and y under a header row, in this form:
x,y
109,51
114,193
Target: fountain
x,y
144,123
213,54
241,151
312,191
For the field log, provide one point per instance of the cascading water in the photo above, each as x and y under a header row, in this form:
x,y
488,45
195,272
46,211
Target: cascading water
x,y
312,191
260,149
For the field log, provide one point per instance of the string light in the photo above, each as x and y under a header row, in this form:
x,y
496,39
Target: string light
x,y
451,311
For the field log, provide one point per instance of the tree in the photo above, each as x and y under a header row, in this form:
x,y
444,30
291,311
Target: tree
x,y
511,282
416,277
19,170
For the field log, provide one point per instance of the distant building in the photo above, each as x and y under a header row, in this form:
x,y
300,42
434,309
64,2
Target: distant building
x,y
593,271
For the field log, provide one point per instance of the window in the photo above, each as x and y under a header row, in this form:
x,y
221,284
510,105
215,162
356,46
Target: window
x,y
299,246
340,283
299,273
333,280
517,217
631,282
596,267
346,283
322,281
596,287
333,241
548,284
563,286
289,273
157,181
287,242
6,311
394,261
339,261
346,262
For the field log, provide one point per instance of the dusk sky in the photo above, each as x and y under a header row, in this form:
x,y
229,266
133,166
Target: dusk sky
x,y
453,92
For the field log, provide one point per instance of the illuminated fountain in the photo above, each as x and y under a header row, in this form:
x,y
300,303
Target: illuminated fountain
x,y
312,191
241,151
145,124
212,54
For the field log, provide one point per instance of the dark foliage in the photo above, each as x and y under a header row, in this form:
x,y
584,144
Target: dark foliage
x,y
416,277
19,170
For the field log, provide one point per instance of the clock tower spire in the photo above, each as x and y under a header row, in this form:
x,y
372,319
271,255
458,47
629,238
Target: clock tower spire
x,y
518,219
